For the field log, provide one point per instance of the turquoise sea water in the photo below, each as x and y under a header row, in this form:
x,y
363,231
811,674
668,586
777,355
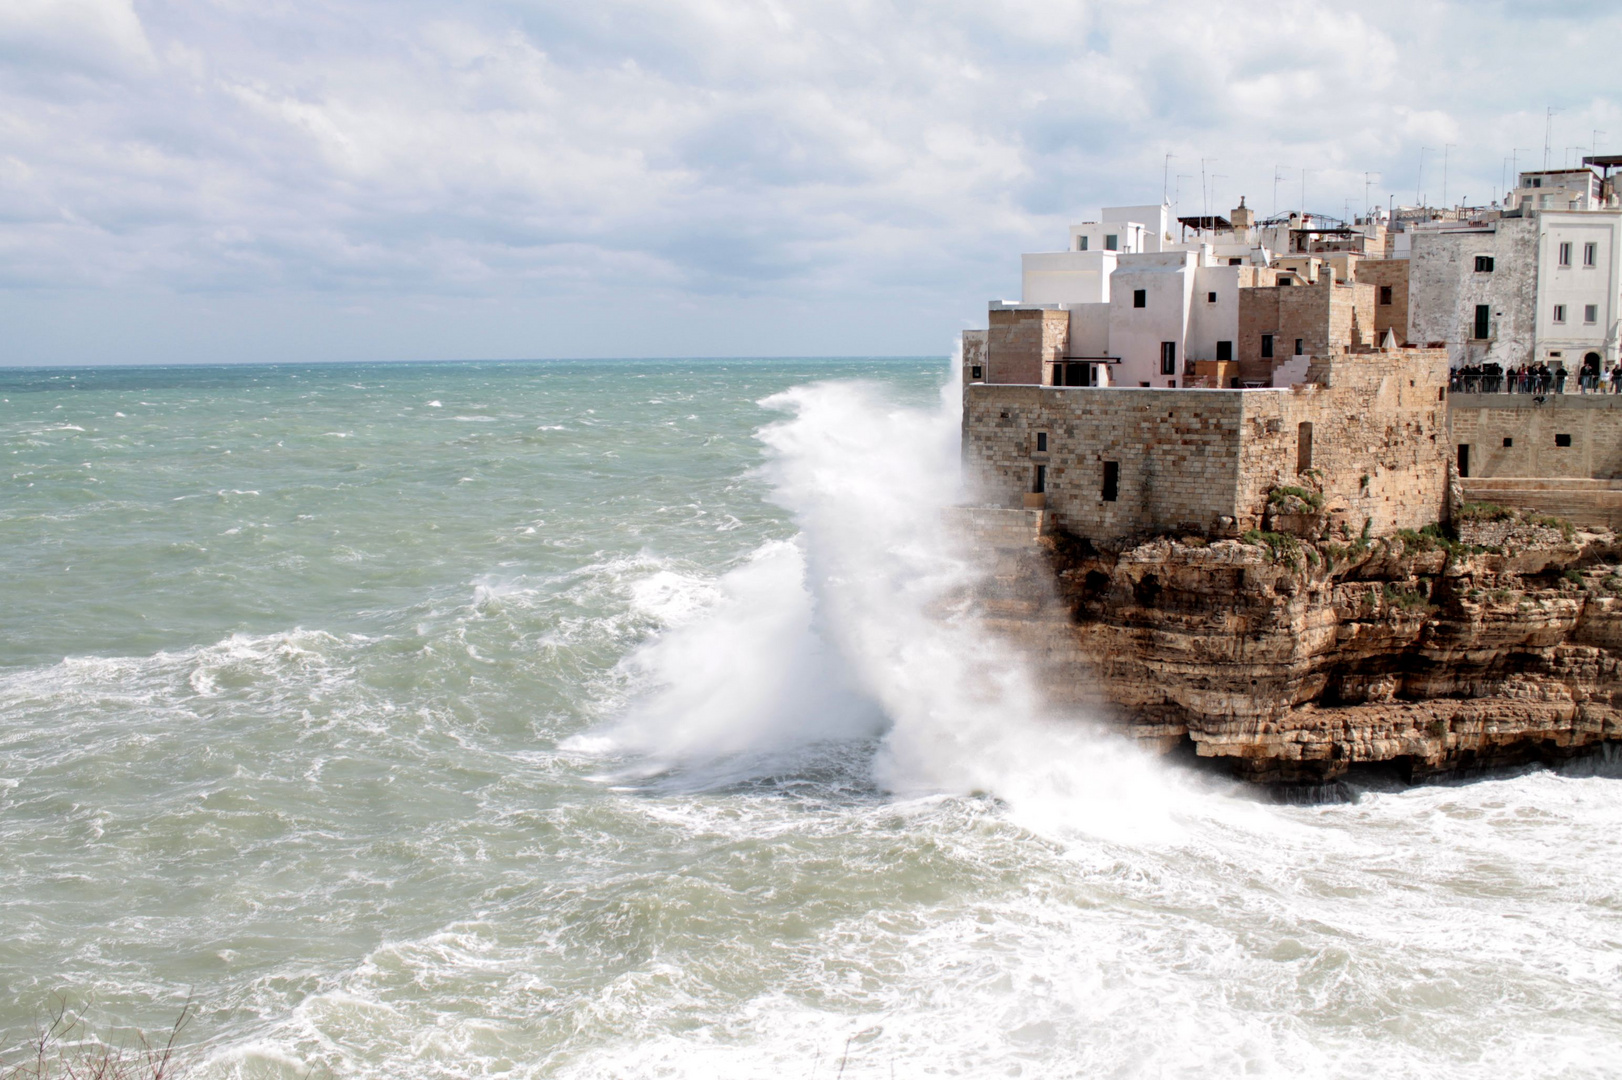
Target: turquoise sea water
x,y
524,720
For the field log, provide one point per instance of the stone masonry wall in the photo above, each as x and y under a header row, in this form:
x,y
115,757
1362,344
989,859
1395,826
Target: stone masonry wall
x,y
1325,317
1392,273
1021,341
1483,422
1177,452
1205,460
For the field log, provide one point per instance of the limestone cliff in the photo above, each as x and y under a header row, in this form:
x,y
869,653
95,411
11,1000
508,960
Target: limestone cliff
x,y
1295,660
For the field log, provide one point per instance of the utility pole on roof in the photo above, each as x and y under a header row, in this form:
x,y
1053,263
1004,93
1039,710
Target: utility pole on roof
x,y
1593,150
1165,170
1368,182
1419,181
1548,133
1445,148
1303,192
1276,178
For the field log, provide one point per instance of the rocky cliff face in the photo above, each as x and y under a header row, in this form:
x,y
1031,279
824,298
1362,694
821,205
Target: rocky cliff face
x,y
1294,661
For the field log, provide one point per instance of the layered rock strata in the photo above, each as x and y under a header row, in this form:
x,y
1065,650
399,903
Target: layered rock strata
x,y
1293,661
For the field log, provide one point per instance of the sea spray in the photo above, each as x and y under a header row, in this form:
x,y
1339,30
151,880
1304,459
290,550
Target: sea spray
x,y
866,621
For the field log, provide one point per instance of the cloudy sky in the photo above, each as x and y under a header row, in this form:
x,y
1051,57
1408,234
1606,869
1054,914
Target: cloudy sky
x,y
219,180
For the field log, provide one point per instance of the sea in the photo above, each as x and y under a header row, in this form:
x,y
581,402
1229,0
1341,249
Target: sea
x,y
625,719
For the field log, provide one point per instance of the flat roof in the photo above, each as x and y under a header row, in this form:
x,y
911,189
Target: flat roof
x,y
1560,172
1206,221
1606,160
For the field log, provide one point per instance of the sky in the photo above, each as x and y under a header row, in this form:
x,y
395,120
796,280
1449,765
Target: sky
x,y
206,181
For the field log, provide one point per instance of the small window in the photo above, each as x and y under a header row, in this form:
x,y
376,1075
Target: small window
x,y
1508,442
1267,346
1483,264
1562,440
1041,442
1537,181
1040,483
1140,297
1282,280
1168,358
1298,346
1224,351
1112,481
1081,243
1210,298
1112,242
1560,313
976,372
1590,313
1565,254
1236,262
1385,295
1590,254
1483,322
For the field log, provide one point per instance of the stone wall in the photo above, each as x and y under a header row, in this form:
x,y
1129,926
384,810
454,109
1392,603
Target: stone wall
x,y
1205,460
1326,316
1445,288
1021,341
1392,274
1593,422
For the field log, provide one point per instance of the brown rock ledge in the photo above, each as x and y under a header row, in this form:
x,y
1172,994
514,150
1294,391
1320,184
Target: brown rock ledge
x,y
1293,661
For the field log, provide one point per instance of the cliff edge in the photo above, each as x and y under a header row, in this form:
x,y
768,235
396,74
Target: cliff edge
x,y
1294,660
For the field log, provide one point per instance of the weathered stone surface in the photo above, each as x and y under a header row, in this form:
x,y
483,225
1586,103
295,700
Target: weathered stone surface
x,y
1295,664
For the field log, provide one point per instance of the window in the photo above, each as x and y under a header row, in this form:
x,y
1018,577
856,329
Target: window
x,y
1168,358
1112,481
1385,295
1590,254
1303,447
1483,264
1041,442
1081,243
1560,313
1236,262
1537,181
1267,346
1224,351
1282,280
1112,242
1590,314
1508,442
1565,254
1483,322
975,372
1464,460
1298,346
1210,298
1040,483
1140,297
1562,440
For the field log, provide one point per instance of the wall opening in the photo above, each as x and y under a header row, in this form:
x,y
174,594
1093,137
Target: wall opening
x,y
1041,442
1267,346
1039,483
1140,297
1562,440
1303,447
1112,480
1464,460
1224,351
1483,321
1508,442
976,372
1168,358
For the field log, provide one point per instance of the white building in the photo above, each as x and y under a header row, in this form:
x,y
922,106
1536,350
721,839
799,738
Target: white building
x,y
1142,303
1541,282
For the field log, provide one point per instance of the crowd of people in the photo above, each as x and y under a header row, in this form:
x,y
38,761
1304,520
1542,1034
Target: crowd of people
x,y
1537,378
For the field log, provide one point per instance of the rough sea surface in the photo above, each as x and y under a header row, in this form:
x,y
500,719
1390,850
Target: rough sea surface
x,y
614,720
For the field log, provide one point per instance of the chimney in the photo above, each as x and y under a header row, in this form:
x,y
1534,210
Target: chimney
x,y
1242,218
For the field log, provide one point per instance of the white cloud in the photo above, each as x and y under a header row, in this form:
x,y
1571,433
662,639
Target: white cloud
x,y
692,155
